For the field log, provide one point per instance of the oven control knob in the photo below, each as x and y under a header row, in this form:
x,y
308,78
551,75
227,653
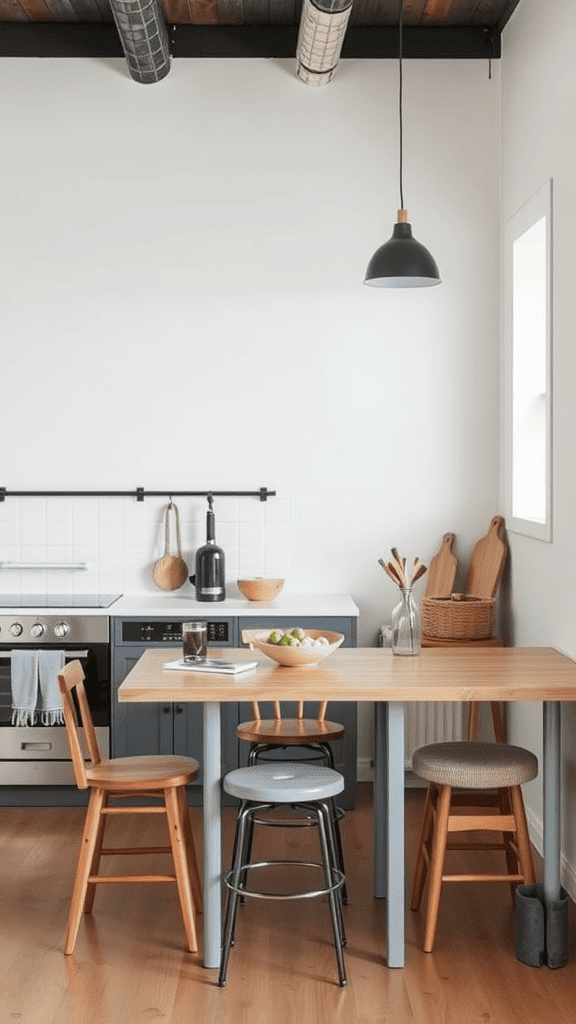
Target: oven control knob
x,y
37,629
61,629
16,629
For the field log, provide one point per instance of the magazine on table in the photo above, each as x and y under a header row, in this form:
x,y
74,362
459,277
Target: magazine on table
x,y
212,665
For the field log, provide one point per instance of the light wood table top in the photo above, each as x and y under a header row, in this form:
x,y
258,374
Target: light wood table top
x,y
365,674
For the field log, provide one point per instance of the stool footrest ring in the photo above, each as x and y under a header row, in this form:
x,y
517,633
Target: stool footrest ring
x,y
308,894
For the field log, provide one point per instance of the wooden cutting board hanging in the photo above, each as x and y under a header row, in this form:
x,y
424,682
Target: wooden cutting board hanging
x,y
487,562
171,571
442,570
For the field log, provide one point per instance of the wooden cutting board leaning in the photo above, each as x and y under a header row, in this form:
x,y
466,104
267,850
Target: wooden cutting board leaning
x,y
487,562
442,570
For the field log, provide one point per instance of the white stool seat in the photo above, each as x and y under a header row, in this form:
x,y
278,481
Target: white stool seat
x,y
284,783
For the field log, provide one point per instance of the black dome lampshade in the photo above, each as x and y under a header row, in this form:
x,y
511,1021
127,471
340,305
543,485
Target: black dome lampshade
x,y
402,262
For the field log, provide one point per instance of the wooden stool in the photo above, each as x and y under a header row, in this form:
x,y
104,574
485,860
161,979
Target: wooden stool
x,y
163,777
470,766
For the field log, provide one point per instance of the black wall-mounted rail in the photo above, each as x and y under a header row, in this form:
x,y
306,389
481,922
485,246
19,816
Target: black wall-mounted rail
x,y
140,494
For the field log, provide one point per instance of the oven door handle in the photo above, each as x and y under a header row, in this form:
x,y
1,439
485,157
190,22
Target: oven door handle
x,y
70,655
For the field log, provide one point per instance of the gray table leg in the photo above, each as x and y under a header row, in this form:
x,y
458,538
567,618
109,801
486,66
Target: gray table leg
x,y
212,836
395,837
552,799
389,821
380,809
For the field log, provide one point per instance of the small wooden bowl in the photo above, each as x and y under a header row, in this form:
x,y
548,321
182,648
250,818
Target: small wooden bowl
x,y
260,589
293,657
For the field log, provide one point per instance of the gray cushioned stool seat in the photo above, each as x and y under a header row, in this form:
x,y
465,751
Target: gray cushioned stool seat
x,y
475,765
284,783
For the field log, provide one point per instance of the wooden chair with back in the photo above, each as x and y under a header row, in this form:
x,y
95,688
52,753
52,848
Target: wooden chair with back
x,y
160,777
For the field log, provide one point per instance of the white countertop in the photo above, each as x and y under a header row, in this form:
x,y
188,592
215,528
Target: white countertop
x,y
168,604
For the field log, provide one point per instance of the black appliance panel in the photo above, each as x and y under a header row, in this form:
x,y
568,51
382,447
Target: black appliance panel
x,y
155,631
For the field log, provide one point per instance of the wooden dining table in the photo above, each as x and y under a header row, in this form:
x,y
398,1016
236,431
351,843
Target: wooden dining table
x,y
368,674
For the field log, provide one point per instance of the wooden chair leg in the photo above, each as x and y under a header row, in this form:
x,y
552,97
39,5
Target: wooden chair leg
x,y
436,867
191,851
473,713
95,867
421,869
522,835
85,861
179,853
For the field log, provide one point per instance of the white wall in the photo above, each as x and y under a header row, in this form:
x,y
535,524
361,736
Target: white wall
x,y
538,143
181,267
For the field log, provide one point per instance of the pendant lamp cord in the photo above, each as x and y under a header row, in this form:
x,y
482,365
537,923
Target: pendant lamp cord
x,y
400,98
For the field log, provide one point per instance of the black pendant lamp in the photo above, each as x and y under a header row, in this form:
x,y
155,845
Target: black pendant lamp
x,y
402,262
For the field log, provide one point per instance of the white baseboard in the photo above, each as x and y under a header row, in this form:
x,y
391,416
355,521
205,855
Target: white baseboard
x,y
364,769
365,773
567,870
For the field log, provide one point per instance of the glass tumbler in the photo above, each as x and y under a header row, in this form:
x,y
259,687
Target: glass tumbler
x,y
194,640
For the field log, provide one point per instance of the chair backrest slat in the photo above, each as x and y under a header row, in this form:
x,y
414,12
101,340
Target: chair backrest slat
x,y
247,640
69,680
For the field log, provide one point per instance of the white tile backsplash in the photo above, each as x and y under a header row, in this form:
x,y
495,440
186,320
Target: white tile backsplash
x,y
121,539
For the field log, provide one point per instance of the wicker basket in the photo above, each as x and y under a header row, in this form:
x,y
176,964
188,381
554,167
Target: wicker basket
x,y
458,617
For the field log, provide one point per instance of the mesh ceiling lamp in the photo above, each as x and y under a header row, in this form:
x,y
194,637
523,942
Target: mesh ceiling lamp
x,y
402,262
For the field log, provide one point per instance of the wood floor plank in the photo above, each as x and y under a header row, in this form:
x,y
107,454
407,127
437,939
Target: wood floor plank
x,y
130,964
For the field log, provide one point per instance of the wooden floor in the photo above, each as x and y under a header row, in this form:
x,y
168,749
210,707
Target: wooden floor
x,y
130,966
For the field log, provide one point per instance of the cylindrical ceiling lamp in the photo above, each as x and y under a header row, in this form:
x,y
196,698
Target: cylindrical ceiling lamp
x,y
144,38
320,37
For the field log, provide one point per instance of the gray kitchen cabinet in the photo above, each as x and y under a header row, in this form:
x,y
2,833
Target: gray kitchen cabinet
x,y
177,728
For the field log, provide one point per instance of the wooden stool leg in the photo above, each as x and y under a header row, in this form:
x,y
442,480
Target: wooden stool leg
x,y
421,869
473,714
85,860
191,850
498,721
95,867
522,835
509,838
436,867
179,853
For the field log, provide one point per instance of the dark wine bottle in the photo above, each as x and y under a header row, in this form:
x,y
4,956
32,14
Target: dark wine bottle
x,y
209,577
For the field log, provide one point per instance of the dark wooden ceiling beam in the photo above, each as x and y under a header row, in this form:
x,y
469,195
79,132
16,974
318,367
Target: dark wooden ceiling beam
x,y
506,14
100,39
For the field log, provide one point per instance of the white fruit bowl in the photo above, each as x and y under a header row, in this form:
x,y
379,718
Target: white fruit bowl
x,y
293,657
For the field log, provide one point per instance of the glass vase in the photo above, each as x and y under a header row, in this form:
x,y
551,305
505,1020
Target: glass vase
x,y
406,625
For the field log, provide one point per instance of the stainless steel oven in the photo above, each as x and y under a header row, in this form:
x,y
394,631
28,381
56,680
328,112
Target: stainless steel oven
x,y
38,755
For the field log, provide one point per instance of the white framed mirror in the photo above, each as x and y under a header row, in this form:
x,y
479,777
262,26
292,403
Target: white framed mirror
x,y
527,376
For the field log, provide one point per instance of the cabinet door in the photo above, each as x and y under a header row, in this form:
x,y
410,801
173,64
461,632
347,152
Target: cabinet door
x,y
138,728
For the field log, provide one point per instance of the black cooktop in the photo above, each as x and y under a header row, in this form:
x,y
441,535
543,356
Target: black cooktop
x,y
58,600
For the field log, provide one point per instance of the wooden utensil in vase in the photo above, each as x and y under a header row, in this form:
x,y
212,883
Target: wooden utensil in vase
x,y
171,571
